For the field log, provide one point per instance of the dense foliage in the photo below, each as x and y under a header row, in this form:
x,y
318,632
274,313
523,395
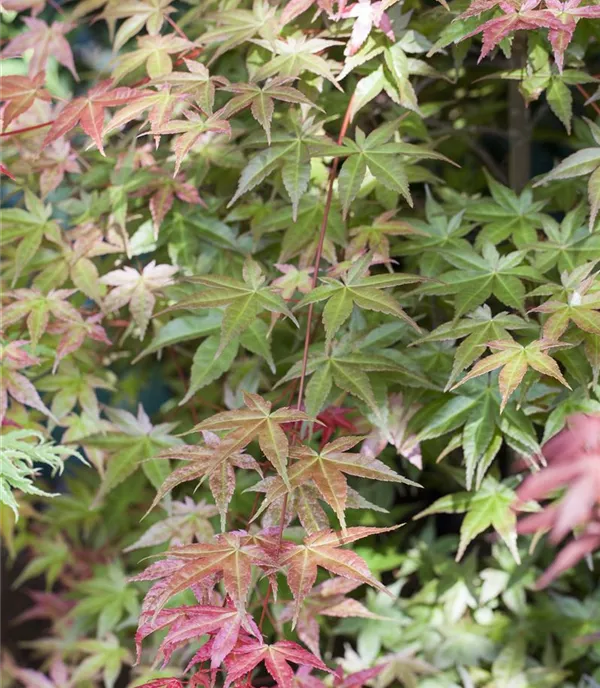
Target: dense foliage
x,y
301,332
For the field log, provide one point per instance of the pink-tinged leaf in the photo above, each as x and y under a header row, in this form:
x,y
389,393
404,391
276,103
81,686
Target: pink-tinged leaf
x,y
276,658
572,456
20,93
45,41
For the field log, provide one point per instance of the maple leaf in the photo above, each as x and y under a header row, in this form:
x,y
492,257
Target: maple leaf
x,y
36,6
137,289
137,14
568,13
366,15
507,215
236,26
74,333
19,93
385,159
476,277
73,386
323,549
326,470
192,129
243,300
186,521
187,623
230,558
132,442
296,55
260,100
256,421
393,429
31,226
326,599
477,329
492,505
583,162
160,105
45,41
154,53
292,280
515,359
519,15
88,111
37,308
374,236
200,463
196,83
246,656
12,359
356,288
572,457
55,161
58,675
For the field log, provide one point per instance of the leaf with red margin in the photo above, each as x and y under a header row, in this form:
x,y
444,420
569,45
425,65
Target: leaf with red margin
x,y
20,93
276,658
323,549
88,111
45,41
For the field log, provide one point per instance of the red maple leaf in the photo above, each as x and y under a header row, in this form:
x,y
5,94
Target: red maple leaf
x,y
19,93
45,41
517,17
568,13
89,111
573,456
247,655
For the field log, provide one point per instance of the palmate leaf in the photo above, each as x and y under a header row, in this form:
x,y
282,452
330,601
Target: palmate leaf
x,y
256,421
385,159
567,245
356,288
230,557
260,100
478,328
200,463
224,624
515,359
326,469
322,549
477,277
242,300
348,371
507,215
248,654
492,505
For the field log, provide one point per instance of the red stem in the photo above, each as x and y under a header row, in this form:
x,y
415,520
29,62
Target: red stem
x,y
26,129
308,332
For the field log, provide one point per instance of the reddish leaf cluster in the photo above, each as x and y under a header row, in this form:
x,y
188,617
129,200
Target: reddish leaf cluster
x,y
573,456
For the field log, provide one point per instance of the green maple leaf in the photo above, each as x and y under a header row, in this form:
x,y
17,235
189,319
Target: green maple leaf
x,y
29,227
385,159
515,359
374,236
237,26
477,329
506,215
295,55
474,419
347,369
439,236
477,277
260,100
355,288
153,52
491,506
242,300
289,152
568,244
134,442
